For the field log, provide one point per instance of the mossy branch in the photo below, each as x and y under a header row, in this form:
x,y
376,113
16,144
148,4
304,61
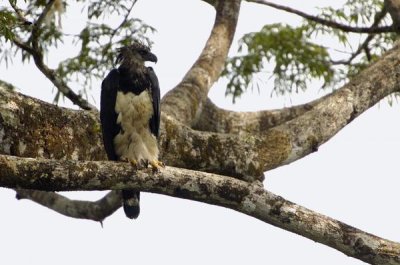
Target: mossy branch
x,y
252,200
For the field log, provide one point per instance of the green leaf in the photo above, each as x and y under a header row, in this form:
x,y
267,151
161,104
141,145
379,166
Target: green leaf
x,y
7,23
293,57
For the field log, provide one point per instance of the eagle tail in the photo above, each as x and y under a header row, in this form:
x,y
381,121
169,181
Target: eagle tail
x,y
131,200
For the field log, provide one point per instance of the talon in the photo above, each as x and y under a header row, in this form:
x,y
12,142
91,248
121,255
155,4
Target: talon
x,y
134,163
156,165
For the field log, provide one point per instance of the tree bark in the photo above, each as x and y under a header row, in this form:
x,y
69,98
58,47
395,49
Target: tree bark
x,y
184,103
40,145
393,7
32,128
96,211
215,119
50,175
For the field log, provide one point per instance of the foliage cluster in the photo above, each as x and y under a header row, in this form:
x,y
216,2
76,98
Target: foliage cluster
x,y
291,56
97,40
296,55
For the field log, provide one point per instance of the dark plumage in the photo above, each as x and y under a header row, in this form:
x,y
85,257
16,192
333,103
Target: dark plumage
x,y
130,114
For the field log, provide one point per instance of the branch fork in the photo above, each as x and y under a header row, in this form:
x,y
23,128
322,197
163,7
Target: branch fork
x,y
224,153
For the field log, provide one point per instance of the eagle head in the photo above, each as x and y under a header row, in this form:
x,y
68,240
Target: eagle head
x,y
137,53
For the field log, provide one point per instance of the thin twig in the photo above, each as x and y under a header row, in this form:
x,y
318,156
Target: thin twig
x,y
23,45
37,25
364,45
129,10
52,76
329,23
19,13
32,46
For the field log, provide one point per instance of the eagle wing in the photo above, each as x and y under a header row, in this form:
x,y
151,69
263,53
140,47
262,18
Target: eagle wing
x,y
154,122
108,116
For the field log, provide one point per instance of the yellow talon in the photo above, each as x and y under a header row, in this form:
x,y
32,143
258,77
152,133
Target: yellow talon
x,y
156,165
133,162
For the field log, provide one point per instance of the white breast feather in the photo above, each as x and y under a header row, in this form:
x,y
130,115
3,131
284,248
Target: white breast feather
x,y
135,141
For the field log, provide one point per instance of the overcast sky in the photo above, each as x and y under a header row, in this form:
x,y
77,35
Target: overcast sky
x,y
353,178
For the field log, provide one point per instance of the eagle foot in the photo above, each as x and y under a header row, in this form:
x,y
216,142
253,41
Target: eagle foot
x,y
156,165
134,163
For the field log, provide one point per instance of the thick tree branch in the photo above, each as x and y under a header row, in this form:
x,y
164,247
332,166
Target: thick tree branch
x,y
210,2
393,7
65,134
96,211
215,119
185,101
32,128
338,109
209,188
328,23
302,135
226,154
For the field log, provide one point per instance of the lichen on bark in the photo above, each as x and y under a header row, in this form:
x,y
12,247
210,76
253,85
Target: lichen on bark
x,y
33,128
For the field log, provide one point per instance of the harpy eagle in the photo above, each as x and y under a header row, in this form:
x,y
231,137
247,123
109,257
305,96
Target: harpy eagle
x,y
130,114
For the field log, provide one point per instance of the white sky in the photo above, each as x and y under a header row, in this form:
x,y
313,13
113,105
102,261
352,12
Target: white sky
x,y
353,177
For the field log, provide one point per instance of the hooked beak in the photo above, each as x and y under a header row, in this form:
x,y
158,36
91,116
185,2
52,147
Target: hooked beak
x,y
150,57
